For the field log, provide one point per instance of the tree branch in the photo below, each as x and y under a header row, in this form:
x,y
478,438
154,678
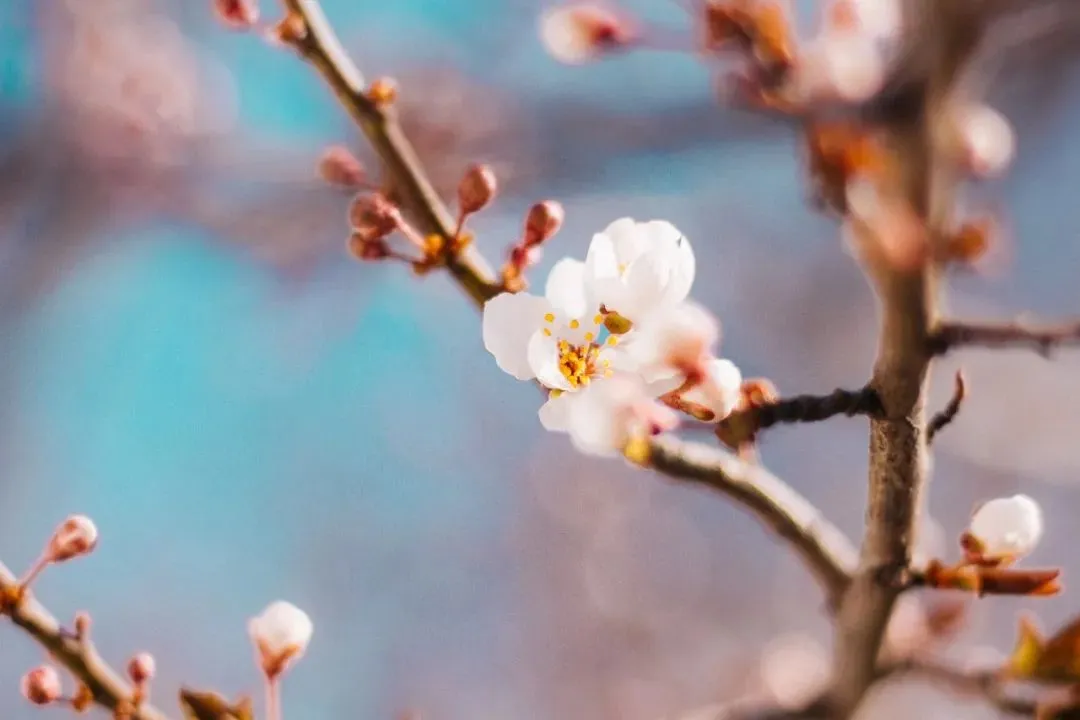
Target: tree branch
x,y
946,416
1040,338
321,48
77,655
949,33
824,548
744,424
987,685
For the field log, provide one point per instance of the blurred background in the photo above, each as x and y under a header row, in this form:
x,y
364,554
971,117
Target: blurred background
x,y
188,355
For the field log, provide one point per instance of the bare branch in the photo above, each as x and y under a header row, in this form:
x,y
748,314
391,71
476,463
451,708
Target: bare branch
x,y
946,416
800,409
77,655
824,548
944,36
1040,338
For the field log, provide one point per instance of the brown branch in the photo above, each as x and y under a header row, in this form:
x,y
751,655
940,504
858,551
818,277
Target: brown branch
x,y
78,655
978,684
799,409
946,416
1040,338
824,548
318,44
948,33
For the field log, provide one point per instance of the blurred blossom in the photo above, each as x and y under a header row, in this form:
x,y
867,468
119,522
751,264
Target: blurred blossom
x,y
133,86
577,32
988,139
908,630
794,668
1008,527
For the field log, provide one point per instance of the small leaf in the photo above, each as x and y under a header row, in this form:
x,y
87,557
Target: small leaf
x,y
1025,657
211,706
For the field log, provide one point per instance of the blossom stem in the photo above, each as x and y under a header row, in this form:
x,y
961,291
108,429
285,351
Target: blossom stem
x,y
273,698
30,575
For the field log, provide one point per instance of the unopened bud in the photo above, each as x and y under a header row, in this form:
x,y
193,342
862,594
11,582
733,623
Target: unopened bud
x,y
373,216
363,247
82,625
581,31
338,166
477,189
281,635
383,91
142,668
290,30
543,221
41,686
237,14
76,536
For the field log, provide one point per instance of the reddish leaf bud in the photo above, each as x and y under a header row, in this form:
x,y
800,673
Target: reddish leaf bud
x,y
76,536
41,686
338,166
363,247
237,14
477,189
142,668
542,222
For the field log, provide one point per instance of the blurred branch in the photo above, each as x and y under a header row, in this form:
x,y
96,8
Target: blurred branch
x,y
824,548
944,36
318,44
946,416
77,654
1042,339
981,684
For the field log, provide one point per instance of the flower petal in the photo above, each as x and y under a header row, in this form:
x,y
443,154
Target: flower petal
x,y
510,319
646,281
602,281
1008,526
683,268
595,420
721,390
543,357
555,413
565,288
628,239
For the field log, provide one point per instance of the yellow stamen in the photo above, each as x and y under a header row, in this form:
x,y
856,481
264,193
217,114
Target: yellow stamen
x,y
589,337
547,331
550,317
613,340
598,320
574,324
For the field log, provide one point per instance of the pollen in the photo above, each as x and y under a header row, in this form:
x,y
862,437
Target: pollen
x,y
613,340
589,337
577,363
550,317
574,324
547,331
598,320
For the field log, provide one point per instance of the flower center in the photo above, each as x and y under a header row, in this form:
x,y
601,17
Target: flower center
x,y
578,363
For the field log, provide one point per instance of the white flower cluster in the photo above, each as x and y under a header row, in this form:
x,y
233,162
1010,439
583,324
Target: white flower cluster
x,y
612,335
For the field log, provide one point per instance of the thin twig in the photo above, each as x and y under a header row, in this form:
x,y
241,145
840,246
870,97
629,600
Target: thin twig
x,y
76,654
1043,339
320,46
946,416
804,409
824,548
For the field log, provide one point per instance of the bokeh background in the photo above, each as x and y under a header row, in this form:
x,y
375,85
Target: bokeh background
x,y
188,355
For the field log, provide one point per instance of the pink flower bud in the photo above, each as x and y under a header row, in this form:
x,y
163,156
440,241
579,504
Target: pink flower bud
x,y
76,536
525,257
237,14
477,189
373,216
41,686
142,668
543,221
581,31
338,166
366,248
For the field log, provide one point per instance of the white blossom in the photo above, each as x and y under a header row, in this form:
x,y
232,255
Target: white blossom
x,y
610,414
1007,527
988,140
578,32
719,390
555,339
633,268
281,634
674,339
